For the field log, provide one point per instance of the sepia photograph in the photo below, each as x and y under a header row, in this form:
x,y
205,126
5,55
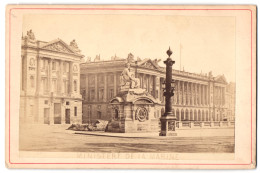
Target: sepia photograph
x,y
131,84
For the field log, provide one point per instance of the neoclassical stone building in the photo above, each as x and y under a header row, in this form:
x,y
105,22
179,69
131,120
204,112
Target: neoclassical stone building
x,y
198,97
50,81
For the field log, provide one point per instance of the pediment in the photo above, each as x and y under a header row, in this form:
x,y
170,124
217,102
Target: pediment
x,y
59,46
148,64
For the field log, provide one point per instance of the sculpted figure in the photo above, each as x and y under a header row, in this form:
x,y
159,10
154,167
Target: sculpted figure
x,y
30,35
128,77
74,44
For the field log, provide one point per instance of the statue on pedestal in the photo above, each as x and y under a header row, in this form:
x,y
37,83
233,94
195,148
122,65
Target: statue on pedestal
x,y
127,78
30,38
30,35
74,44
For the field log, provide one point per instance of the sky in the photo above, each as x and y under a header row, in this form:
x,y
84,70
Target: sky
x,y
199,43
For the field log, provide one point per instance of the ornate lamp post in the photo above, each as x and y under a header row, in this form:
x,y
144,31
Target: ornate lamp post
x,y
168,119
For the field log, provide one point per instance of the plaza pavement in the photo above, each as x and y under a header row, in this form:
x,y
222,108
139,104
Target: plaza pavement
x,y
55,138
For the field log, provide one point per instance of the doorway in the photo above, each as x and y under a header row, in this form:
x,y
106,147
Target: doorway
x,y
67,116
57,113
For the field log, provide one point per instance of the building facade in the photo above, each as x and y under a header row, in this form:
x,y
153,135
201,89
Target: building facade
x,y
50,81
231,100
198,97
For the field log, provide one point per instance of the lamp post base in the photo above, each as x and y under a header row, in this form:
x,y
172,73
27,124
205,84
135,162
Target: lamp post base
x,y
168,126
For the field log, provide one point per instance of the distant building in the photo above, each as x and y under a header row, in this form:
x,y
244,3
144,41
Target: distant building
x,y
50,80
198,97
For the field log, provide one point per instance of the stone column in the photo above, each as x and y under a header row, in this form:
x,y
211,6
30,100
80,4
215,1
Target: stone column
x,y
49,77
115,87
198,95
144,82
207,95
51,113
199,86
154,86
202,94
148,83
105,87
188,93
86,88
61,78
183,100
141,80
191,93
190,100
38,83
195,93
96,87
179,92
223,96
70,78
158,86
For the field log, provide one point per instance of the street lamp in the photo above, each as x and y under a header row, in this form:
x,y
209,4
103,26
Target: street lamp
x,y
168,119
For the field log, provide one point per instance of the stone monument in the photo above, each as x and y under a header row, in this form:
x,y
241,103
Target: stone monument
x,y
133,109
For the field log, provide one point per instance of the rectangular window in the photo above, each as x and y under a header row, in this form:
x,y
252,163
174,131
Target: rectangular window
x,y
92,94
54,83
101,94
53,65
32,81
75,111
111,93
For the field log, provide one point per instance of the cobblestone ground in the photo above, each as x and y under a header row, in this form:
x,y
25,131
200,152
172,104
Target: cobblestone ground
x,y
57,139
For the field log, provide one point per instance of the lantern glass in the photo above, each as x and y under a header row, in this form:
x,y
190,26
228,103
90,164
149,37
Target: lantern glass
x,y
173,83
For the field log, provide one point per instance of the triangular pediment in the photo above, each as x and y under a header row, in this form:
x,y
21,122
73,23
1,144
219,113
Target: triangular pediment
x,y
59,46
221,79
148,64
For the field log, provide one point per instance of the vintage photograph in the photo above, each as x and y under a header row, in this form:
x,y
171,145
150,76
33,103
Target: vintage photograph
x,y
153,84
105,83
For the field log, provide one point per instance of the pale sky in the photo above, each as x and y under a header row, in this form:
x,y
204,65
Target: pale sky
x,y
208,43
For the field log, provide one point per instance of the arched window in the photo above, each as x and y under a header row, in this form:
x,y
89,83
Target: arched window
x,y
182,115
177,115
191,115
195,115
199,115
187,115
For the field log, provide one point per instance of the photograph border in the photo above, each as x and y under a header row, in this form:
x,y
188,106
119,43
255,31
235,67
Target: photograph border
x,y
121,8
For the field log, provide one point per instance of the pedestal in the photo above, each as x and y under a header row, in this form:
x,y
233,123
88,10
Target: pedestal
x,y
133,112
168,126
